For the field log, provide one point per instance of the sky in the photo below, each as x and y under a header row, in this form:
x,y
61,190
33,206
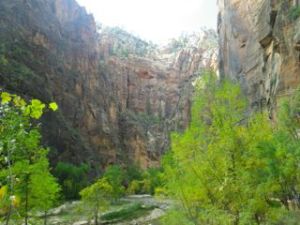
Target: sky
x,y
154,20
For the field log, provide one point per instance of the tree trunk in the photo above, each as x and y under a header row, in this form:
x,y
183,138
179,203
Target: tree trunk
x,y
11,187
285,202
45,218
237,218
8,215
257,219
96,218
26,201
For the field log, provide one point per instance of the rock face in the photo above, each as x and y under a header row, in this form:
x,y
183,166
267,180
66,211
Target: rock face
x,y
153,87
119,96
259,46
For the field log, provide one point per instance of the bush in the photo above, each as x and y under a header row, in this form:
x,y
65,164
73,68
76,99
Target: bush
x,y
144,182
127,212
133,172
134,187
294,13
154,176
115,176
96,197
72,178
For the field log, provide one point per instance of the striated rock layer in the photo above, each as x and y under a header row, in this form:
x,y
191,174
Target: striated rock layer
x,y
119,97
259,46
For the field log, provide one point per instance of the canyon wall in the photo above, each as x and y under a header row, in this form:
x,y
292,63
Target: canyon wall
x,y
259,46
119,97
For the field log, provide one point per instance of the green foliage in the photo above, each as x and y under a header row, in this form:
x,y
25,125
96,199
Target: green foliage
x,y
175,217
294,13
53,106
43,186
23,161
133,172
128,212
152,178
115,176
134,187
144,181
96,197
229,168
72,178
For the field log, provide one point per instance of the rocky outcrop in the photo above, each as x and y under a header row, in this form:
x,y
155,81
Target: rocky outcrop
x,y
153,87
259,46
119,97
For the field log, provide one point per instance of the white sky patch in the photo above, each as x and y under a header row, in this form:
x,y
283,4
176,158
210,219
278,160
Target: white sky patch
x,y
155,20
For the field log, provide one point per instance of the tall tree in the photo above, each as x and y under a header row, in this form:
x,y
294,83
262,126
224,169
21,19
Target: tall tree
x,y
115,176
96,197
209,169
21,151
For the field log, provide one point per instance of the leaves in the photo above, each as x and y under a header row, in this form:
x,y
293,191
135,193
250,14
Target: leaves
x,y
18,101
53,106
96,196
115,175
24,168
34,109
5,98
228,167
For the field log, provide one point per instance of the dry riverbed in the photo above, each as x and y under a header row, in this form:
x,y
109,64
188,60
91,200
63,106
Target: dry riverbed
x,y
132,210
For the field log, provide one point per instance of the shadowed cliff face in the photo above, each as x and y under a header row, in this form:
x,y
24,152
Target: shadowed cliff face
x,y
259,46
119,96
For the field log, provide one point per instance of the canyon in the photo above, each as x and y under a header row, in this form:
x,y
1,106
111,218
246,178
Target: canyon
x,y
120,97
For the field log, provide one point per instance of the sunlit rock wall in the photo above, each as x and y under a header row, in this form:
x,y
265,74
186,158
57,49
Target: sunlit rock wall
x,y
259,46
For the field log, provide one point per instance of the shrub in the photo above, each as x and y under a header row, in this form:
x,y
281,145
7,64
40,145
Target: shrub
x,y
134,187
115,176
294,13
72,178
96,197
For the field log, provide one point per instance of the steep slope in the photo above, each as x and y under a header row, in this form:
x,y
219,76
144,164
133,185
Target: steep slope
x,y
119,96
153,87
50,54
259,46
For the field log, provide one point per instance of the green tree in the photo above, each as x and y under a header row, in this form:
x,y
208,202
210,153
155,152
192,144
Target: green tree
x,y
282,154
115,176
152,178
209,169
72,178
96,197
20,151
44,189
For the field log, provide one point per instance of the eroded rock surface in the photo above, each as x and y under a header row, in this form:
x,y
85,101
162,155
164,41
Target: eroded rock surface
x,y
259,46
119,96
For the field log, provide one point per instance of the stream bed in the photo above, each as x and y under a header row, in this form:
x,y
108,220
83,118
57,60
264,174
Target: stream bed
x,y
131,210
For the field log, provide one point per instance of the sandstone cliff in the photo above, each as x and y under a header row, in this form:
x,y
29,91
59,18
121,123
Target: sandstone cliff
x,y
259,46
153,87
119,96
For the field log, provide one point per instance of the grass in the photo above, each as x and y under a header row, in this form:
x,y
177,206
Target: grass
x,y
128,212
123,211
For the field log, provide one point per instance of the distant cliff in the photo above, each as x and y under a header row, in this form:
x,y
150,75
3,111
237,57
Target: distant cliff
x,y
260,47
119,96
